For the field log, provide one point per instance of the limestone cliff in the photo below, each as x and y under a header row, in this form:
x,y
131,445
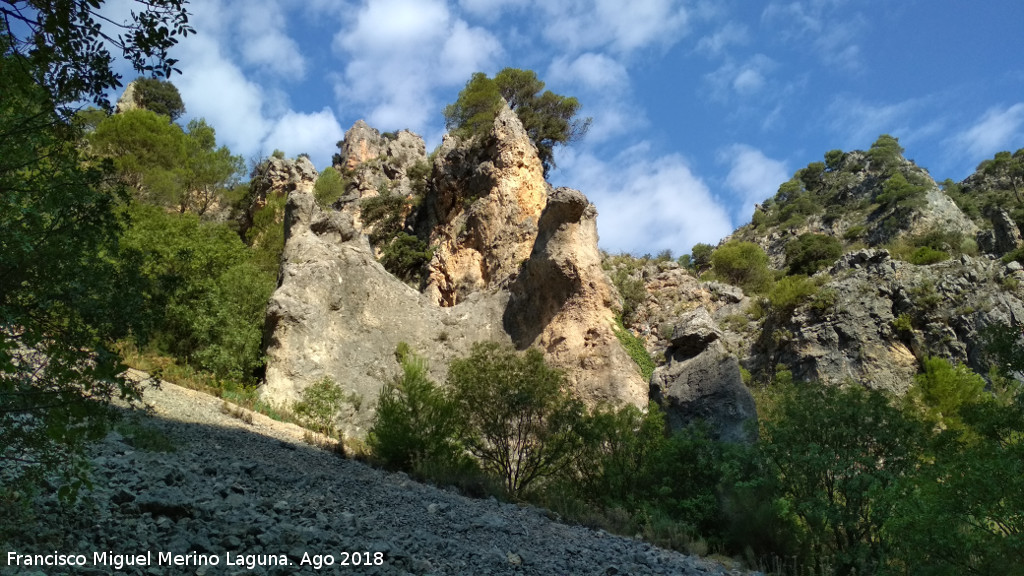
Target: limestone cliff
x,y
511,265
482,211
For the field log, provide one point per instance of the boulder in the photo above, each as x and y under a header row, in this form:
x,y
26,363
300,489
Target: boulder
x,y
706,387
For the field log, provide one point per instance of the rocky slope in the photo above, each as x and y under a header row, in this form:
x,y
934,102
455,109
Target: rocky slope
x,y
245,493
867,318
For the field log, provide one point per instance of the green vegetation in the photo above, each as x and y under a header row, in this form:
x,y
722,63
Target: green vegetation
x,y
164,164
404,255
518,420
700,256
416,424
63,301
812,252
885,153
635,348
744,264
329,187
204,295
319,406
549,119
159,96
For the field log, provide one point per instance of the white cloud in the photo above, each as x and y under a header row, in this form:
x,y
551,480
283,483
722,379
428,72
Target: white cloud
x,y
490,10
315,134
617,25
646,204
744,80
730,34
832,27
994,132
596,72
860,123
753,177
399,52
214,88
264,42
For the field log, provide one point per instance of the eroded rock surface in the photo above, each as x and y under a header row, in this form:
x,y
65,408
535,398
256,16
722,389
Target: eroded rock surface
x,y
562,303
339,314
486,200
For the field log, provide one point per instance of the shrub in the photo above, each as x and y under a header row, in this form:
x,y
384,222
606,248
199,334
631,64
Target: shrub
x,y
897,191
885,154
833,454
833,159
415,427
941,390
812,252
517,419
701,256
318,409
744,264
406,256
635,348
787,295
926,255
329,187
632,290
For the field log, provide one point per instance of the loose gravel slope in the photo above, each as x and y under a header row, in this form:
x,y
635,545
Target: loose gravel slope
x,y
235,497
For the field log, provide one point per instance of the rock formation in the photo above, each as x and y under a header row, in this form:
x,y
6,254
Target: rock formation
x,y
512,266
339,314
562,303
483,211
702,381
276,177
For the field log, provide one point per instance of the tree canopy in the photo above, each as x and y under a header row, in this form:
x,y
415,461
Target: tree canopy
x,y
67,43
549,118
63,301
165,164
159,96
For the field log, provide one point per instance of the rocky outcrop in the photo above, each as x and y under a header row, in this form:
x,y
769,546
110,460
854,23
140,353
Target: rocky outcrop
x,y
339,314
1004,237
701,381
276,178
376,163
128,100
562,303
888,314
511,266
482,211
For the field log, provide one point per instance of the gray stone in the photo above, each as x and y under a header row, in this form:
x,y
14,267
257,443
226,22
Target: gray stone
x,y
708,387
693,333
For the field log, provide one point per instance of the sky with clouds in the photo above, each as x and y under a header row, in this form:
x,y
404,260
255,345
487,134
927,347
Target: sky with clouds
x,y
700,108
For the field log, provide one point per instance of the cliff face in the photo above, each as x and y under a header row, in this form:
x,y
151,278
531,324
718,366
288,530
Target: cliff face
x,y
919,276
483,210
514,263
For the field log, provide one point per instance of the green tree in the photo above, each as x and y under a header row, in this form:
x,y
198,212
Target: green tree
x,y
416,424
744,264
165,164
67,43
329,187
1006,165
159,96
701,257
205,288
885,153
62,300
549,119
812,252
518,420
834,453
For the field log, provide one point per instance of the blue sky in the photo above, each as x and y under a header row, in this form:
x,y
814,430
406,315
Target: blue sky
x,y
701,108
